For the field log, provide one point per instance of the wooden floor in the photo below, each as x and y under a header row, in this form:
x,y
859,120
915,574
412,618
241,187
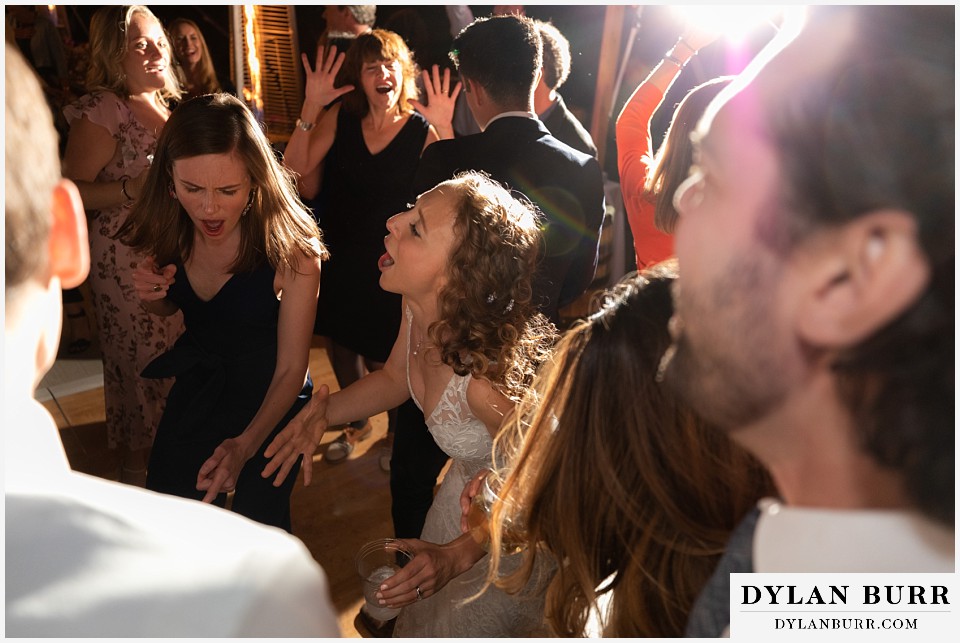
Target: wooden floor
x,y
347,504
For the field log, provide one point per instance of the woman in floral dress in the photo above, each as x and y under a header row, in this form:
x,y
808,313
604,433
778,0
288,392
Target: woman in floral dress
x,y
113,133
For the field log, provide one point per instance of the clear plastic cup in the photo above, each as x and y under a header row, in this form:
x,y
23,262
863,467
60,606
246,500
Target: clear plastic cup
x,y
377,561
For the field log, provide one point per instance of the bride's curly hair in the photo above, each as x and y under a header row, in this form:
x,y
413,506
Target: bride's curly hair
x,y
488,326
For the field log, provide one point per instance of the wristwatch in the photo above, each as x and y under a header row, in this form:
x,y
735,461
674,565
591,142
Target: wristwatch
x,y
304,125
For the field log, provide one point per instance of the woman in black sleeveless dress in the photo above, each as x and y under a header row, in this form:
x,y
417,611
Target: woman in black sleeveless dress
x,y
230,245
356,167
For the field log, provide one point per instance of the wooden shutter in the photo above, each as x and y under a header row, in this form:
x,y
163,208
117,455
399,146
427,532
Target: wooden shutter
x,y
281,83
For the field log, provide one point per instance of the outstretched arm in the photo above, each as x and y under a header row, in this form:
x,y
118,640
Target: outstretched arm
x,y
374,393
634,142
298,305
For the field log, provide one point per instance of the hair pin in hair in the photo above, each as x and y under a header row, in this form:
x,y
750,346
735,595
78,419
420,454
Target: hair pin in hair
x,y
492,297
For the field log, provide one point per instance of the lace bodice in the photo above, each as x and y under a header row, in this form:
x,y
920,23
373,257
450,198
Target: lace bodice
x,y
453,425
452,612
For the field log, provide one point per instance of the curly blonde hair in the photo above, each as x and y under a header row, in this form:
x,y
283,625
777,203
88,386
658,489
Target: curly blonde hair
x,y
488,326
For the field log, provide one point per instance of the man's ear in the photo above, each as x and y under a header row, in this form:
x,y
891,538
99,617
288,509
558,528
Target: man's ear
x,y
476,90
538,77
862,276
68,249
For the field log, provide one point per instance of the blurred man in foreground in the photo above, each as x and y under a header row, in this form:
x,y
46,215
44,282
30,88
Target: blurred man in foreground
x,y
815,313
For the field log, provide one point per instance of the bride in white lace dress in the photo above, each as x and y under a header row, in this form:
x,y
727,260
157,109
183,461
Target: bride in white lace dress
x,y
462,257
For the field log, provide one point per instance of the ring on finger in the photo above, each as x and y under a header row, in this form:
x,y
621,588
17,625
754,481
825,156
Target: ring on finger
x,y
419,595
157,288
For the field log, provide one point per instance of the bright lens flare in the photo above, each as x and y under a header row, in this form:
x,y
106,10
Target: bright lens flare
x,y
734,22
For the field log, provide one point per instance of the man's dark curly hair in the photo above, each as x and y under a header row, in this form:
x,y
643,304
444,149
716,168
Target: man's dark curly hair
x,y
556,55
488,326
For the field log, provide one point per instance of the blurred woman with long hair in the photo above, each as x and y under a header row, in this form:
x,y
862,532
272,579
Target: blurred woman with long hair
x,y
647,179
606,472
193,55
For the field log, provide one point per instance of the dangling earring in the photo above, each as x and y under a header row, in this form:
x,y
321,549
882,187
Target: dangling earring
x,y
172,191
253,193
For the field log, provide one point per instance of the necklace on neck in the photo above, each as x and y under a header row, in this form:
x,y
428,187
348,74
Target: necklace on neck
x,y
416,349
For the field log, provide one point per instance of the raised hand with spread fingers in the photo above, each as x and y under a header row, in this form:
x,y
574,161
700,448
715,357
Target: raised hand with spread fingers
x,y
441,101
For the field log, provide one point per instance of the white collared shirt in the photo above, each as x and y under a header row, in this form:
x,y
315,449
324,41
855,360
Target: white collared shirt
x,y
86,557
803,539
507,114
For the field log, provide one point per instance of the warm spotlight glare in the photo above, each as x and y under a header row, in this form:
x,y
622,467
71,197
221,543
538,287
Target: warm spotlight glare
x,y
254,95
734,22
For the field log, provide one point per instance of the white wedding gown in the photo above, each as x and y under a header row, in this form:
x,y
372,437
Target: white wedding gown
x,y
446,614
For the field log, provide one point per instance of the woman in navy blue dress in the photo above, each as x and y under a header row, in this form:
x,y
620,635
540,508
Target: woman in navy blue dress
x,y
229,244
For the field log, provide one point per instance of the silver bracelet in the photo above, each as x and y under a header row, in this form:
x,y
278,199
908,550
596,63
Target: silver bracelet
x,y
673,59
305,125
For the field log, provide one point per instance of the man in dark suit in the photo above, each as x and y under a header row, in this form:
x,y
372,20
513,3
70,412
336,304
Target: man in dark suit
x,y
546,97
499,60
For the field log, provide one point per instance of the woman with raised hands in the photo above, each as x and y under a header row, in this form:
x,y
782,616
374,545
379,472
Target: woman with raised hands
x,y
355,150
